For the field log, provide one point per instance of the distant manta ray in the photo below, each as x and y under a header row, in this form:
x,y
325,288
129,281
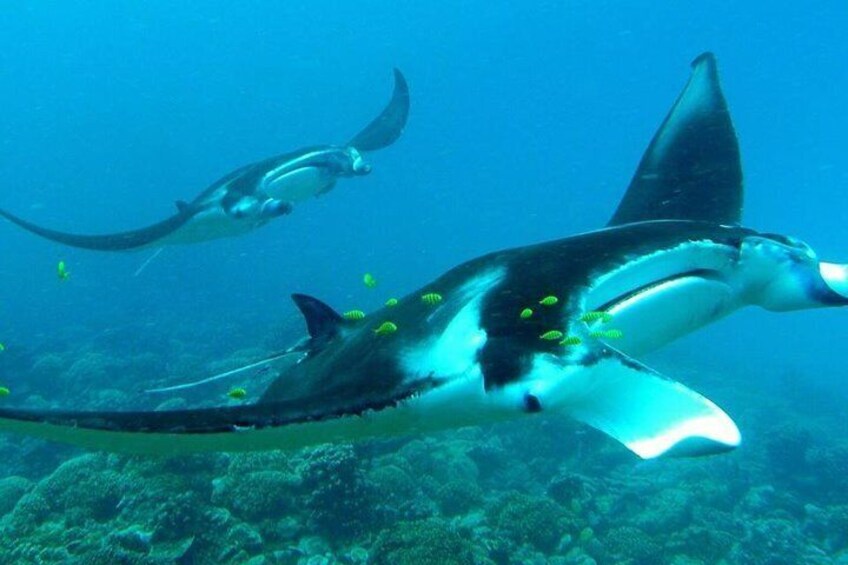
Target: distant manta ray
x,y
255,194
551,327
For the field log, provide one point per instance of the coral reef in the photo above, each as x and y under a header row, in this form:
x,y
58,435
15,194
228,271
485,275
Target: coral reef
x,y
11,491
628,544
423,542
338,493
523,518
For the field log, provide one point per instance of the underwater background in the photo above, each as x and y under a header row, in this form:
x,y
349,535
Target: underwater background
x,y
527,121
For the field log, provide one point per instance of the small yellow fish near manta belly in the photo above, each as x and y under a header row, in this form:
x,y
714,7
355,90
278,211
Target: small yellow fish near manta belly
x,y
386,328
571,340
369,280
431,298
237,393
62,271
354,315
607,334
549,300
603,317
551,335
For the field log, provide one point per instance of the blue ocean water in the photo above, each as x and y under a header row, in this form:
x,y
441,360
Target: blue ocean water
x,y
527,123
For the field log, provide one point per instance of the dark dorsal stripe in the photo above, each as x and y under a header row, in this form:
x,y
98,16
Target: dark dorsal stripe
x,y
692,169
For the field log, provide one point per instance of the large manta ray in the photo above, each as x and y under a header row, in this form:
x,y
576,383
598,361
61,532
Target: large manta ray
x,y
672,259
254,194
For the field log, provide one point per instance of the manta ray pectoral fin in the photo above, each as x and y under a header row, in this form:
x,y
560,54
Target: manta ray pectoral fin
x,y
120,241
326,188
153,433
290,424
650,414
182,206
692,169
386,128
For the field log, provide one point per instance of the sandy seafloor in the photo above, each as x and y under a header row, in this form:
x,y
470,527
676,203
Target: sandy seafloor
x,y
527,121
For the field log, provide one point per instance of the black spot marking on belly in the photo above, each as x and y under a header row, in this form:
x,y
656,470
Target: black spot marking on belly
x,y
502,362
532,404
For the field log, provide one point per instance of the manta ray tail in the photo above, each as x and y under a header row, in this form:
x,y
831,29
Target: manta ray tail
x,y
262,365
691,170
387,127
650,414
120,241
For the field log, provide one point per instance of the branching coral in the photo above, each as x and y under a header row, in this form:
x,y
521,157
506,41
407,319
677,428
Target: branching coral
x,y
337,497
257,496
423,542
11,491
531,519
85,487
459,497
630,544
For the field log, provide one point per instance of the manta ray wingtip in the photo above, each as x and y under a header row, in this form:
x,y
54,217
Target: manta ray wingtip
x,y
705,57
388,126
400,81
691,169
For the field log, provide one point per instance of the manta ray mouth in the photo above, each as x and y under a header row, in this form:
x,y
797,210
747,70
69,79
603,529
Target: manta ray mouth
x,y
634,294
